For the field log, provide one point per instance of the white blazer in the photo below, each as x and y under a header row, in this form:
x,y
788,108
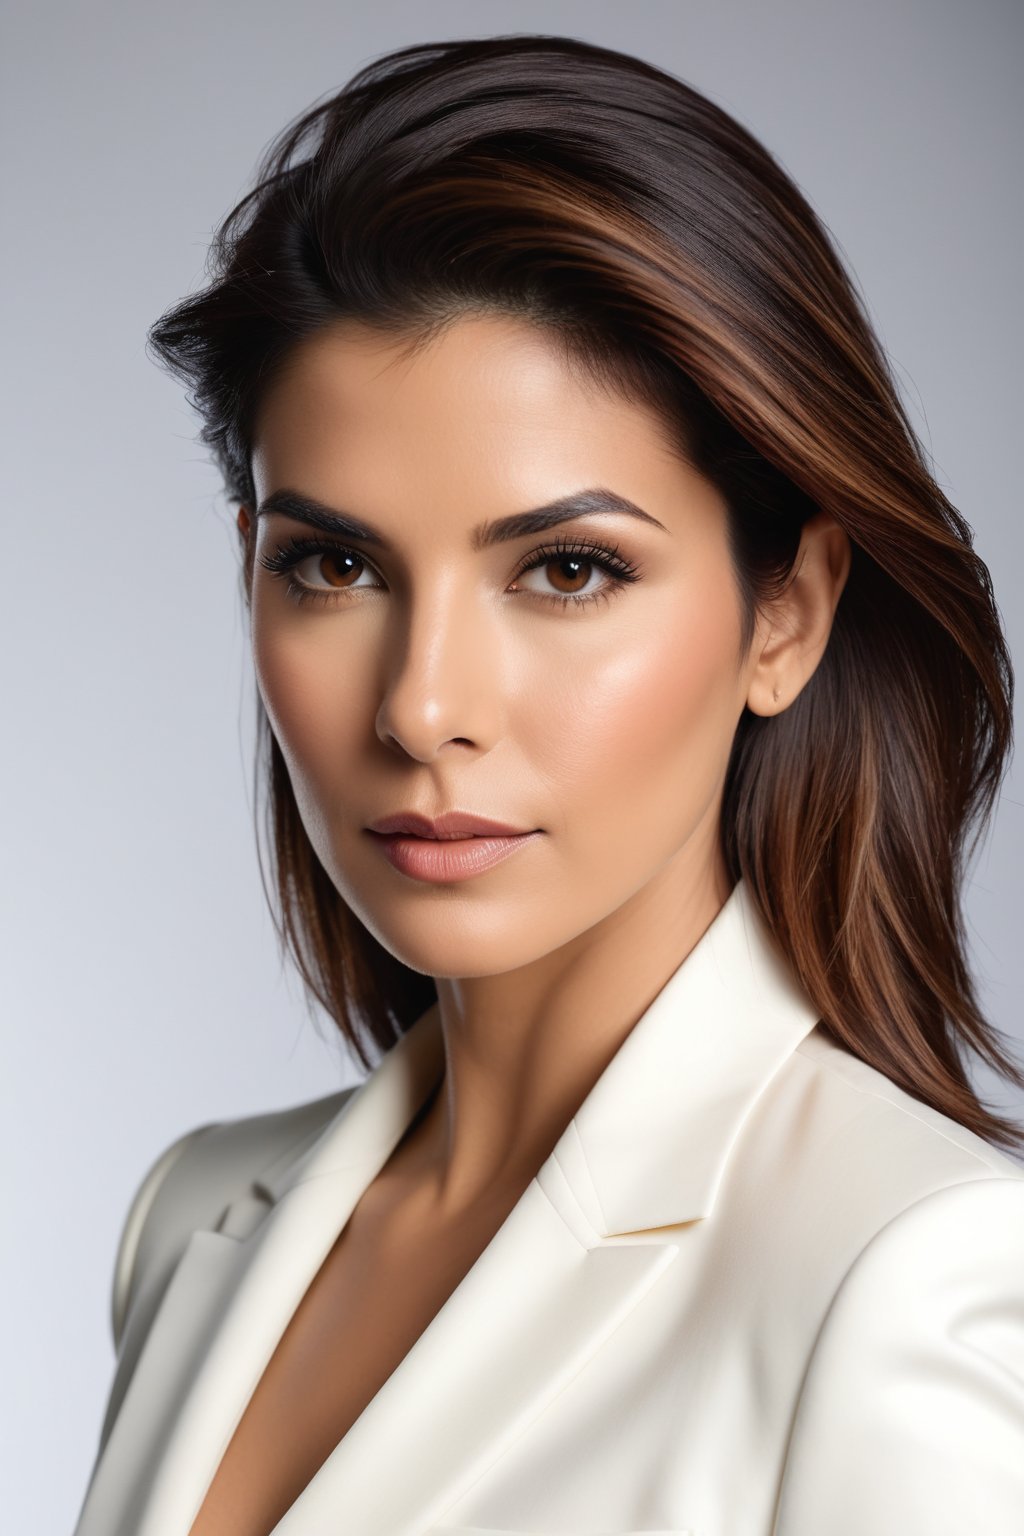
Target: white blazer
x,y
756,1290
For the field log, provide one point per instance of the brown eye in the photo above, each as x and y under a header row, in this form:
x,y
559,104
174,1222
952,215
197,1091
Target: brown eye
x,y
575,575
327,570
338,567
571,573
566,576
314,571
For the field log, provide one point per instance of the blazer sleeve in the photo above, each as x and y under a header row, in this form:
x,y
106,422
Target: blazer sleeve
x,y
134,1223
911,1414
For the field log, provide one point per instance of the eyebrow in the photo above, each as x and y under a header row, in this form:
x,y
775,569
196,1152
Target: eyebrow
x,y
587,503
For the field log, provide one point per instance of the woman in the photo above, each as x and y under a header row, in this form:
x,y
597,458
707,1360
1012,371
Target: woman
x,y
630,690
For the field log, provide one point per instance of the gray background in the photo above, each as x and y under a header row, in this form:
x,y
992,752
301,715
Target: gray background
x,y
142,990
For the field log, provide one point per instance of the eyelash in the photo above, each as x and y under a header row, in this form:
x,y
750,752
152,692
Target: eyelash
x,y
610,560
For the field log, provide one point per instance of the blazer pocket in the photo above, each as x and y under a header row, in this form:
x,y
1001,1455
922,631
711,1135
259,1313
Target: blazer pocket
x,y
243,1217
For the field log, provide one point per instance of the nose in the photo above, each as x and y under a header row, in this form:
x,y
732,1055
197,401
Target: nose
x,y
442,673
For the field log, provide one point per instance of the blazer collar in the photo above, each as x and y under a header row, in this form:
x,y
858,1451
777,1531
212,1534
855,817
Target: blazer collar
x,y
649,1144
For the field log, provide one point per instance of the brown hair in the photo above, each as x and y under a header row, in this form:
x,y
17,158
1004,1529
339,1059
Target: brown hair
x,y
617,206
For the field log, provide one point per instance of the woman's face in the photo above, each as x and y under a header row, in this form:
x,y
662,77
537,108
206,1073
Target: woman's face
x,y
582,682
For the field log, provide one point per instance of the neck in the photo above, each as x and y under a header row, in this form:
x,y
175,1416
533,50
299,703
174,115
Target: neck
x,y
523,1049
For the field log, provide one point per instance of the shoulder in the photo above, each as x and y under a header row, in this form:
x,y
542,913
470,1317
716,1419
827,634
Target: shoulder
x,y
833,1155
193,1180
917,1374
916,1360
897,1138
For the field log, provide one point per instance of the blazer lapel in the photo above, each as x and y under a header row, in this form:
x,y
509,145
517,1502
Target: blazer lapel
x,y
228,1302
646,1151
540,1299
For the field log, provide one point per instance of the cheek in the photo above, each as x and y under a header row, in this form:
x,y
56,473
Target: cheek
x,y
318,700
631,734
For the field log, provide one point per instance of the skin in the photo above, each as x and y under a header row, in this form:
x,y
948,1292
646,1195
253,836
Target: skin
x,y
434,677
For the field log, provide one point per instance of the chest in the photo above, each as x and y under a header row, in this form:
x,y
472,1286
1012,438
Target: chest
x,y
371,1299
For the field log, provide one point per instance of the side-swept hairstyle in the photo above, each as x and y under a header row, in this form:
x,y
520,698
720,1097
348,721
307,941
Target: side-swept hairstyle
x,y
671,254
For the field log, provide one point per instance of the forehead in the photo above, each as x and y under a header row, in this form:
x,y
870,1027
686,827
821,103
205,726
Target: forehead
x,y
481,400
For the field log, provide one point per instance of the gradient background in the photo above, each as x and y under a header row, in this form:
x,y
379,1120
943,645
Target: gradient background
x,y
142,989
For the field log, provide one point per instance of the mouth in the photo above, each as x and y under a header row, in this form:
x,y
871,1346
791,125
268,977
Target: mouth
x,y
450,826
450,857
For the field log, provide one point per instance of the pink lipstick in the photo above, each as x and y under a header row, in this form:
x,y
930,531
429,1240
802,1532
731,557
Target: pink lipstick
x,y
453,846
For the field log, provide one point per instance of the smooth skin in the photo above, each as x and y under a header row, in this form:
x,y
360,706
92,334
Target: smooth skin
x,y
435,675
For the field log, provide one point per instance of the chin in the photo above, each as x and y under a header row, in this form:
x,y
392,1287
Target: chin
x,y
446,943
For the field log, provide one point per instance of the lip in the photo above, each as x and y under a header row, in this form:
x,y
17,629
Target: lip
x,y
443,849
443,860
450,826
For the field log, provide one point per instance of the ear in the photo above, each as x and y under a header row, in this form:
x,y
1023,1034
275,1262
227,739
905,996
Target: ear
x,y
793,633
244,524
